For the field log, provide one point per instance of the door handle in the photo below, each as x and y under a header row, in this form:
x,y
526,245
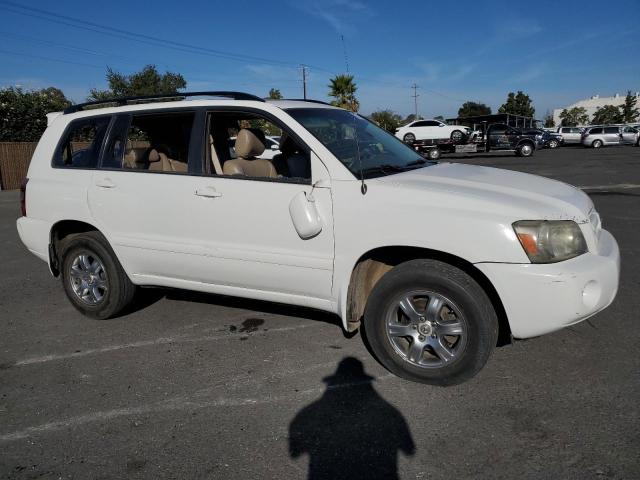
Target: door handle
x,y
105,183
208,192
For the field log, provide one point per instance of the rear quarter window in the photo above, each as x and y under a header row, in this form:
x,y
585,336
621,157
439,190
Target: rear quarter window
x,y
81,143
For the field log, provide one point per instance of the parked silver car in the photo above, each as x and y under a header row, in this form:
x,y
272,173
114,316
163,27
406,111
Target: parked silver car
x,y
597,137
571,134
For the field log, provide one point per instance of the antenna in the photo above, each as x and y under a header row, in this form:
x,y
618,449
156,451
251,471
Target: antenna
x,y
415,98
363,186
344,51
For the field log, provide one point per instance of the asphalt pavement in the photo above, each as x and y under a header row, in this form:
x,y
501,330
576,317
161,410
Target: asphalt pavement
x,y
201,386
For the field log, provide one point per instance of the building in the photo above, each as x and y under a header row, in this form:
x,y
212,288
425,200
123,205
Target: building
x,y
593,103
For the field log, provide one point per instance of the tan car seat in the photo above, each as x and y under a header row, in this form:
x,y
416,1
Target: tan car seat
x,y
248,147
160,162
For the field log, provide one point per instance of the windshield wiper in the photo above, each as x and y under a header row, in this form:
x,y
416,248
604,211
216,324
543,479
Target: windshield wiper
x,y
422,161
385,168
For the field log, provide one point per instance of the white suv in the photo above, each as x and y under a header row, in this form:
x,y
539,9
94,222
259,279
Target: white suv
x,y
431,130
434,260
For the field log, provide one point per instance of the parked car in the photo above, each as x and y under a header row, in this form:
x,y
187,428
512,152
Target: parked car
x,y
600,136
571,135
431,130
545,138
504,137
435,261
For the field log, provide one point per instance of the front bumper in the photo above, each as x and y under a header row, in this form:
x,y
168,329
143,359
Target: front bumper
x,y
541,298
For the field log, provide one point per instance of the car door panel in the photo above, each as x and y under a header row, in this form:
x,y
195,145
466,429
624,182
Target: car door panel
x,y
249,239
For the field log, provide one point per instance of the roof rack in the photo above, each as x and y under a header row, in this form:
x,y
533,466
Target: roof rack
x,y
306,100
121,101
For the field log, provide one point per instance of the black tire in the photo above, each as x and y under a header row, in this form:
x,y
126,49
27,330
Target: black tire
x,y
433,154
409,138
480,320
118,291
553,144
525,150
596,144
457,136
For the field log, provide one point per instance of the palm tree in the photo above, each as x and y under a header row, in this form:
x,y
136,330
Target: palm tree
x,y
343,89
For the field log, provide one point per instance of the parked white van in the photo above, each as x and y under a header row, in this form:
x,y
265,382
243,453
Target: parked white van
x,y
433,260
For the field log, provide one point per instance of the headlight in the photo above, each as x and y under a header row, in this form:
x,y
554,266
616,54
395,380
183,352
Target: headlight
x,y
547,241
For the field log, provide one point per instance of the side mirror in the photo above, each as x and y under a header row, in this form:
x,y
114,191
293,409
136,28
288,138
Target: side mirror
x,y
305,216
275,147
441,125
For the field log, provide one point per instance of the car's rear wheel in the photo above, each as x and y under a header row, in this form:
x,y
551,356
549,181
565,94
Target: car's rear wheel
x,y
457,136
553,144
524,150
430,322
92,277
597,144
433,154
409,138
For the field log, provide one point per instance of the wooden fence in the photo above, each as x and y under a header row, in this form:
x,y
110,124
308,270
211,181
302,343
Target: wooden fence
x,y
14,163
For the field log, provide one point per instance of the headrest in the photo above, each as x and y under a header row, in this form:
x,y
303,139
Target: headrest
x,y
287,145
154,155
248,145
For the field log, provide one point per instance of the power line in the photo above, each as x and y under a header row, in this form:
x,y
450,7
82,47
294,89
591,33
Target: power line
x,y
141,38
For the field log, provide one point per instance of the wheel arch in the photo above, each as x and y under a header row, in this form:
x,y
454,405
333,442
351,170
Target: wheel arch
x,y
372,265
527,140
59,231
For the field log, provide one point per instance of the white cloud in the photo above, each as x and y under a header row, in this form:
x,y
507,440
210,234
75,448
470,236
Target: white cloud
x,y
341,15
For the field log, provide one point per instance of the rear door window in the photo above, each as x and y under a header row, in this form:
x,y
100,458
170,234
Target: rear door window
x,y
151,142
595,131
611,130
81,144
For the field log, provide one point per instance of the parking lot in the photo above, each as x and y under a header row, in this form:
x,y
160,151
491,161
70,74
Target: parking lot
x,y
201,386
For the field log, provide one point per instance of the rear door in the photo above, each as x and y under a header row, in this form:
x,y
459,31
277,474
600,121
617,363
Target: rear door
x,y
140,196
612,135
629,135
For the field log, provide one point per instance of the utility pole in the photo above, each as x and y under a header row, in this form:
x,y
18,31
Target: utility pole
x,y
415,98
304,81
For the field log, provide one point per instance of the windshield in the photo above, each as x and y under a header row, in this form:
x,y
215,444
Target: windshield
x,y
380,153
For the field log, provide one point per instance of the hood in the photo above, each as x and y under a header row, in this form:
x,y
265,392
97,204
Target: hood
x,y
519,195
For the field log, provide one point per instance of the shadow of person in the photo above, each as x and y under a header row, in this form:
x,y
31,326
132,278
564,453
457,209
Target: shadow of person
x,y
351,432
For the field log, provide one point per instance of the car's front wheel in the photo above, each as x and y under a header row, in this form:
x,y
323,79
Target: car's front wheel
x,y
409,138
553,144
92,277
430,322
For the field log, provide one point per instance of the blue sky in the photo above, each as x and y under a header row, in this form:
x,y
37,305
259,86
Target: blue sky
x,y
556,51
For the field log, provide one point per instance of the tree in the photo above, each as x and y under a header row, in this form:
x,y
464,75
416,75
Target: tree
x,y
607,115
411,118
274,94
147,81
473,109
574,116
387,119
629,111
548,120
23,114
518,104
343,89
